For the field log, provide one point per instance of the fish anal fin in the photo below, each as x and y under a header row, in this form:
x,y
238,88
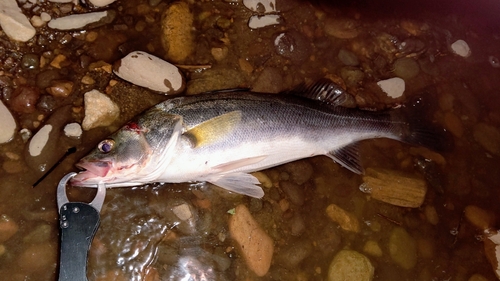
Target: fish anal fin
x,y
327,91
233,165
213,129
239,182
348,157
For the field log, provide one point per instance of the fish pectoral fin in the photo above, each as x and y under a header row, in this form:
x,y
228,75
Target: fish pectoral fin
x,y
348,157
213,129
233,165
239,182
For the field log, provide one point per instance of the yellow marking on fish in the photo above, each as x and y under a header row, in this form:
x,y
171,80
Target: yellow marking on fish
x,y
213,129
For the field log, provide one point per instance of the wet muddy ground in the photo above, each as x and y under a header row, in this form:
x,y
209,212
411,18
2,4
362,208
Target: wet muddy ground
x,y
182,231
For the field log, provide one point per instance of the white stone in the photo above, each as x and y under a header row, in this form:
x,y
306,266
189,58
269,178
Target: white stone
x,y
73,130
36,21
151,72
268,5
39,140
76,21
393,87
256,21
7,123
14,23
461,48
45,17
100,110
183,212
101,3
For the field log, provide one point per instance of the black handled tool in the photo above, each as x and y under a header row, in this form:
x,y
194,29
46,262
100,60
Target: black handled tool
x,y
78,223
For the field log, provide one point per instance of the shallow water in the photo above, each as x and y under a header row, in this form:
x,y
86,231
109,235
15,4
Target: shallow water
x,y
141,238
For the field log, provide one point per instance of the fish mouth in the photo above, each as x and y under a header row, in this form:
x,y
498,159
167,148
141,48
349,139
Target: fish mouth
x,y
91,172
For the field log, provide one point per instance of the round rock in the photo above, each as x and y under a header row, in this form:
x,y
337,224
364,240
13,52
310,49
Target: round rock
x,y
151,72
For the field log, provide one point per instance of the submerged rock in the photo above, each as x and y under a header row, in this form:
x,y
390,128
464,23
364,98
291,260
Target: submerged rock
x,y
177,37
256,246
402,248
393,87
488,137
346,220
8,228
350,265
461,48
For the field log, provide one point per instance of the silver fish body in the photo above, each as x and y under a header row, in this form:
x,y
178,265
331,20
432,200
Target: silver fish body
x,y
222,137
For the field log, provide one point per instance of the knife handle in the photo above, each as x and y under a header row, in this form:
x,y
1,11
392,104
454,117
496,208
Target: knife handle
x,y
78,223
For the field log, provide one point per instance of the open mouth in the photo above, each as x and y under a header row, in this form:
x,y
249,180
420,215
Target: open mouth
x,y
90,170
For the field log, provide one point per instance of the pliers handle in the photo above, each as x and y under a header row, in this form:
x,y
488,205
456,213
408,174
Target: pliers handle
x,y
78,224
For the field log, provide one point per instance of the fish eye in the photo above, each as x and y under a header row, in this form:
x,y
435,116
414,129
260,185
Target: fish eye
x,y
106,145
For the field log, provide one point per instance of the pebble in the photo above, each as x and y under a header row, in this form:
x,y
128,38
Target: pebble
x,y
461,48
264,180
350,265
177,38
494,61
393,87
219,53
14,23
479,217
148,71
101,3
488,137
60,88
372,248
100,110
77,21
256,246
300,171
269,81
453,124
343,28
256,22
24,99
8,228
402,248
183,212
477,277
7,123
293,191
293,45
348,58
345,219
12,166
431,215
39,140
406,68
73,130
292,255
56,62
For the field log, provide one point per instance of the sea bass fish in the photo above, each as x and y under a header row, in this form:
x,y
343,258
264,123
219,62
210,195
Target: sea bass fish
x,y
222,137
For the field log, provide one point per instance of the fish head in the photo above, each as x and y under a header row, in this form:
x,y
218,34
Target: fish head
x,y
136,154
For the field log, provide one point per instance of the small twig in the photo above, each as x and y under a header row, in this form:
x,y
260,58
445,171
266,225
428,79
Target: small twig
x,y
193,67
389,219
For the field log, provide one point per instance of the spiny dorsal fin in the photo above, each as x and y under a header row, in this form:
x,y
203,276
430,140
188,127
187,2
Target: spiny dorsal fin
x,y
327,91
348,157
213,129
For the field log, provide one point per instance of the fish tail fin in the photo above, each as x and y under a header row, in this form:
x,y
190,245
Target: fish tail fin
x,y
419,130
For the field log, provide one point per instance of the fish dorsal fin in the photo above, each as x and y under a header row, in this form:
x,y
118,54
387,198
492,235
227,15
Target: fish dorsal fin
x,y
348,157
326,91
213,129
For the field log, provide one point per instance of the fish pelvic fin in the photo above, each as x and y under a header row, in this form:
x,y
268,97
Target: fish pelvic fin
x,y
239,182
213,129
348,157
